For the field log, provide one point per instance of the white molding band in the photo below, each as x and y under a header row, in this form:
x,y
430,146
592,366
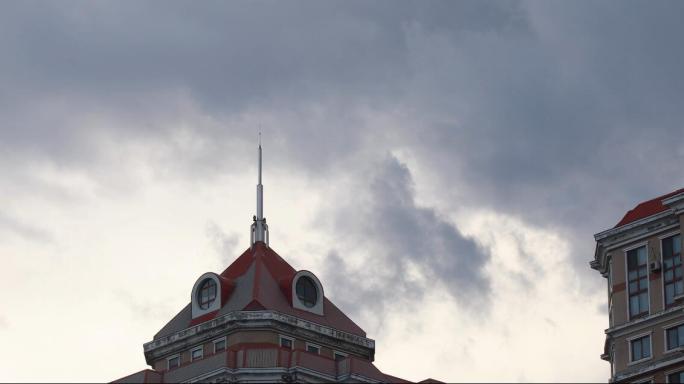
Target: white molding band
x,y
236,316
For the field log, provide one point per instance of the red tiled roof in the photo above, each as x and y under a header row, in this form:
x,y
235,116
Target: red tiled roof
x,y
647,208
260,279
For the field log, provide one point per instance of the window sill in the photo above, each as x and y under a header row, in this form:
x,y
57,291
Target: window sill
x,y
635,362
679,349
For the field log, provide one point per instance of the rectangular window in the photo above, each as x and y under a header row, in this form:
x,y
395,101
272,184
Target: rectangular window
x,y
637,277
677,377
219,345
640,348
173,362
286,342
196,354
313,348
675,337
672,269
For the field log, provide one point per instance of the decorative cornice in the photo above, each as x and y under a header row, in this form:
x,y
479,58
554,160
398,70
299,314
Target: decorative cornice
x,y
645,322
647,367
247,316
617,237
632,225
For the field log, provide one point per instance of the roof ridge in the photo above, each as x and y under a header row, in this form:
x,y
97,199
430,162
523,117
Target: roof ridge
x,y
647,208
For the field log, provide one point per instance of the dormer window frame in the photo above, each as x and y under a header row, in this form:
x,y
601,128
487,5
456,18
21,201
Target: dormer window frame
x,y
198,306
297,303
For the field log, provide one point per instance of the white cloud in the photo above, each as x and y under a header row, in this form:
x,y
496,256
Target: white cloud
x,y
539,320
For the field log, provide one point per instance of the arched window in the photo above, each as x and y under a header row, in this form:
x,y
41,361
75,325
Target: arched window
x,y
206,294
306,291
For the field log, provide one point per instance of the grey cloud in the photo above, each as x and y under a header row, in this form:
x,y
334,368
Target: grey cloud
x,y
12,225
223,243
396,232
564,114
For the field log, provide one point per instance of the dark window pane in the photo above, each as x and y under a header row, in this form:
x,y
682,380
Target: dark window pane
x,y
197,354
285,343
632,274
633,287
667,247
646,347
669,294
673,378
636,350
306,291
220,346
672,338
207,293
631,259
633,305
312,349
643,302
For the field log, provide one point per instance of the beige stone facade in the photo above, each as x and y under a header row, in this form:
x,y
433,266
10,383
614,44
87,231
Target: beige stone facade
x,y
641,259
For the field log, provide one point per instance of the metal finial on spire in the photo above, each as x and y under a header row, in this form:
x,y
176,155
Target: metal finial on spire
x,y
259,227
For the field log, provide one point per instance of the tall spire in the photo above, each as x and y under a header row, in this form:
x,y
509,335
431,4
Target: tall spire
x,y
259,227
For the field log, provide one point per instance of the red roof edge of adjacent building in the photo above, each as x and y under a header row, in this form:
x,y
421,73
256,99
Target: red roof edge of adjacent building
x,y
647,208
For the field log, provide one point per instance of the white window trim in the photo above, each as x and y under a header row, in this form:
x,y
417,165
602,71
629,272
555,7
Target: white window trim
x,y
650,347
665,339
168,361
320,294
668,373
662,273
192,351
339,353
645,380
662,266
220,339
648,276
313,345
215,305
669,234
280,341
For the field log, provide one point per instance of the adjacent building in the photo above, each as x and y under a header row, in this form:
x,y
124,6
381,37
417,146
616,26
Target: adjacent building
x,y
260,320
641,258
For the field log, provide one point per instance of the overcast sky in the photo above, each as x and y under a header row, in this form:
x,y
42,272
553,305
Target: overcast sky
x,y
440,166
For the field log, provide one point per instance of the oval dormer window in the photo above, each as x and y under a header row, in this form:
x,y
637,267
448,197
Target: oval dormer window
x,y
206,294
306,291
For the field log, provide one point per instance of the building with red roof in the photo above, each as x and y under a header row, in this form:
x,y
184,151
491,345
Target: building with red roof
x,y
260,320
641,259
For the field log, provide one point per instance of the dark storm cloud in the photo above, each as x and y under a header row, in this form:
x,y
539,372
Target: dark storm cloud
x,y
130,61
562,113
397,234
